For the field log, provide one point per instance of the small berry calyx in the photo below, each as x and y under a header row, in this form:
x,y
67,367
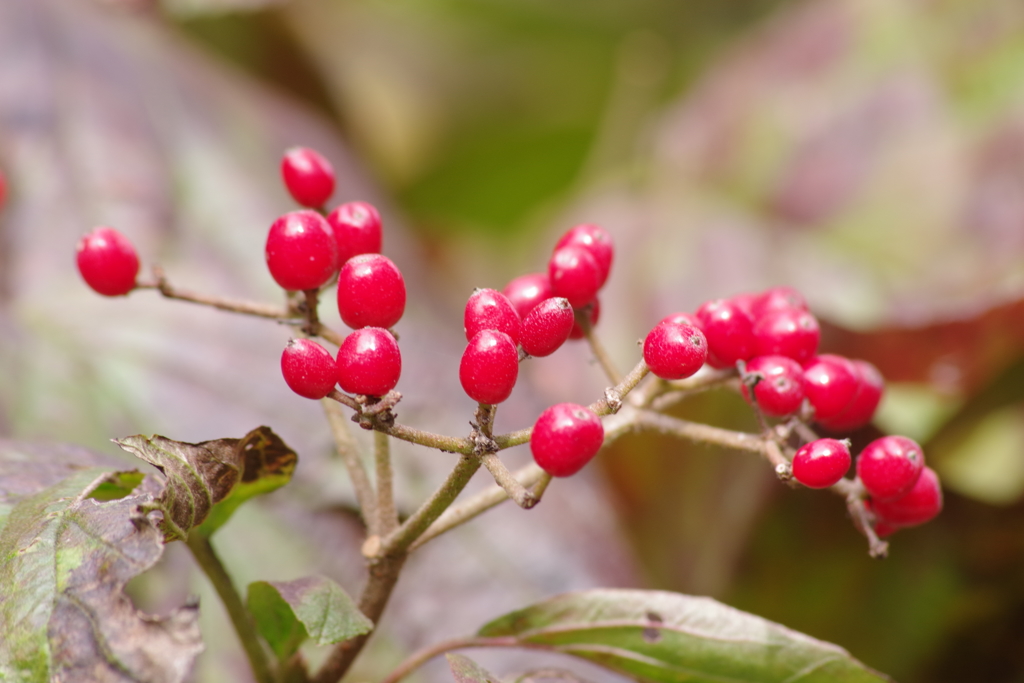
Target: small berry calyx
x,y
919,505
301,252
489,309
890,466
675,350
357,229
547,327
371,292
107,262
821,463
308,176
308,368
489,367
369,362
566,437
778,384
595,240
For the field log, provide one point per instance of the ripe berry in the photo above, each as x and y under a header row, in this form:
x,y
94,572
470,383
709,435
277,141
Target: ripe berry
x,y
308,368
830,382
729,331
488,309
308,176
547,327
921,504
780,390
681,319
865,399
107,261
890,466
301,252
357,229
566,437
821,463
575,275
369,362
489,367
777,299
674,351
593,313
526,291
371,292
595,240
788,332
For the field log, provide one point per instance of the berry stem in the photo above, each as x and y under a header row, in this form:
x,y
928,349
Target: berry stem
x,y
663,394
600,353
699,433
387,514
515,490
207,559
348,451
605,406
310,308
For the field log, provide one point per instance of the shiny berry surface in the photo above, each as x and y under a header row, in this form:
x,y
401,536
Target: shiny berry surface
x,y
369,362
777,299
821,463
547,327
890,466
830,382
595,240
593,313
107,262
780,390
301,253
729,331
489,367
674,351
308,368
575,275
789,332
919,505
681,319
371,292
489,309
526,291
566,437
308,176
866,398
357,229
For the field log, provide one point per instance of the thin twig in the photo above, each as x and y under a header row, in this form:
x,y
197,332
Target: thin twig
x,y
600,353
348,450
700,433
421,657
662,395
387,515
242,621
612,401
503,478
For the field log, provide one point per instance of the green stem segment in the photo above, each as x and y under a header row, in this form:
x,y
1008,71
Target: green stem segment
x,y
214,569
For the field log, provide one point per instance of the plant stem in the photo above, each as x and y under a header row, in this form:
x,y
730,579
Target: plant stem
x,y
600,353
516,491
700,433
348,450
202,550
664,394
418,659
387,515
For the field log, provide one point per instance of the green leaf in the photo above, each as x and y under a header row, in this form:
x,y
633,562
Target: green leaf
x,y
465,670
288,612
65,558
207,481
673,638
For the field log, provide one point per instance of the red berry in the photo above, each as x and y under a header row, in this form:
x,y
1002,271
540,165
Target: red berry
x,y
547,327
777,299
308,176
729,331
595,240
489,367
681,319
369,362
357,229
526,291
575,275
890,466
593,313
674,351
830,383
301,252
566,437
107,261
921,504
371,292
821,463
780,390
488,309
308,368
861,409
788,332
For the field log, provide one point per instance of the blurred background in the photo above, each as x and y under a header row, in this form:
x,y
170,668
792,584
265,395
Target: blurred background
x,y
868,152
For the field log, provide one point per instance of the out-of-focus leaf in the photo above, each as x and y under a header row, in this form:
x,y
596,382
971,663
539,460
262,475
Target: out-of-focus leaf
x,y
201,476
661,636
65,558
465,670
315,607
